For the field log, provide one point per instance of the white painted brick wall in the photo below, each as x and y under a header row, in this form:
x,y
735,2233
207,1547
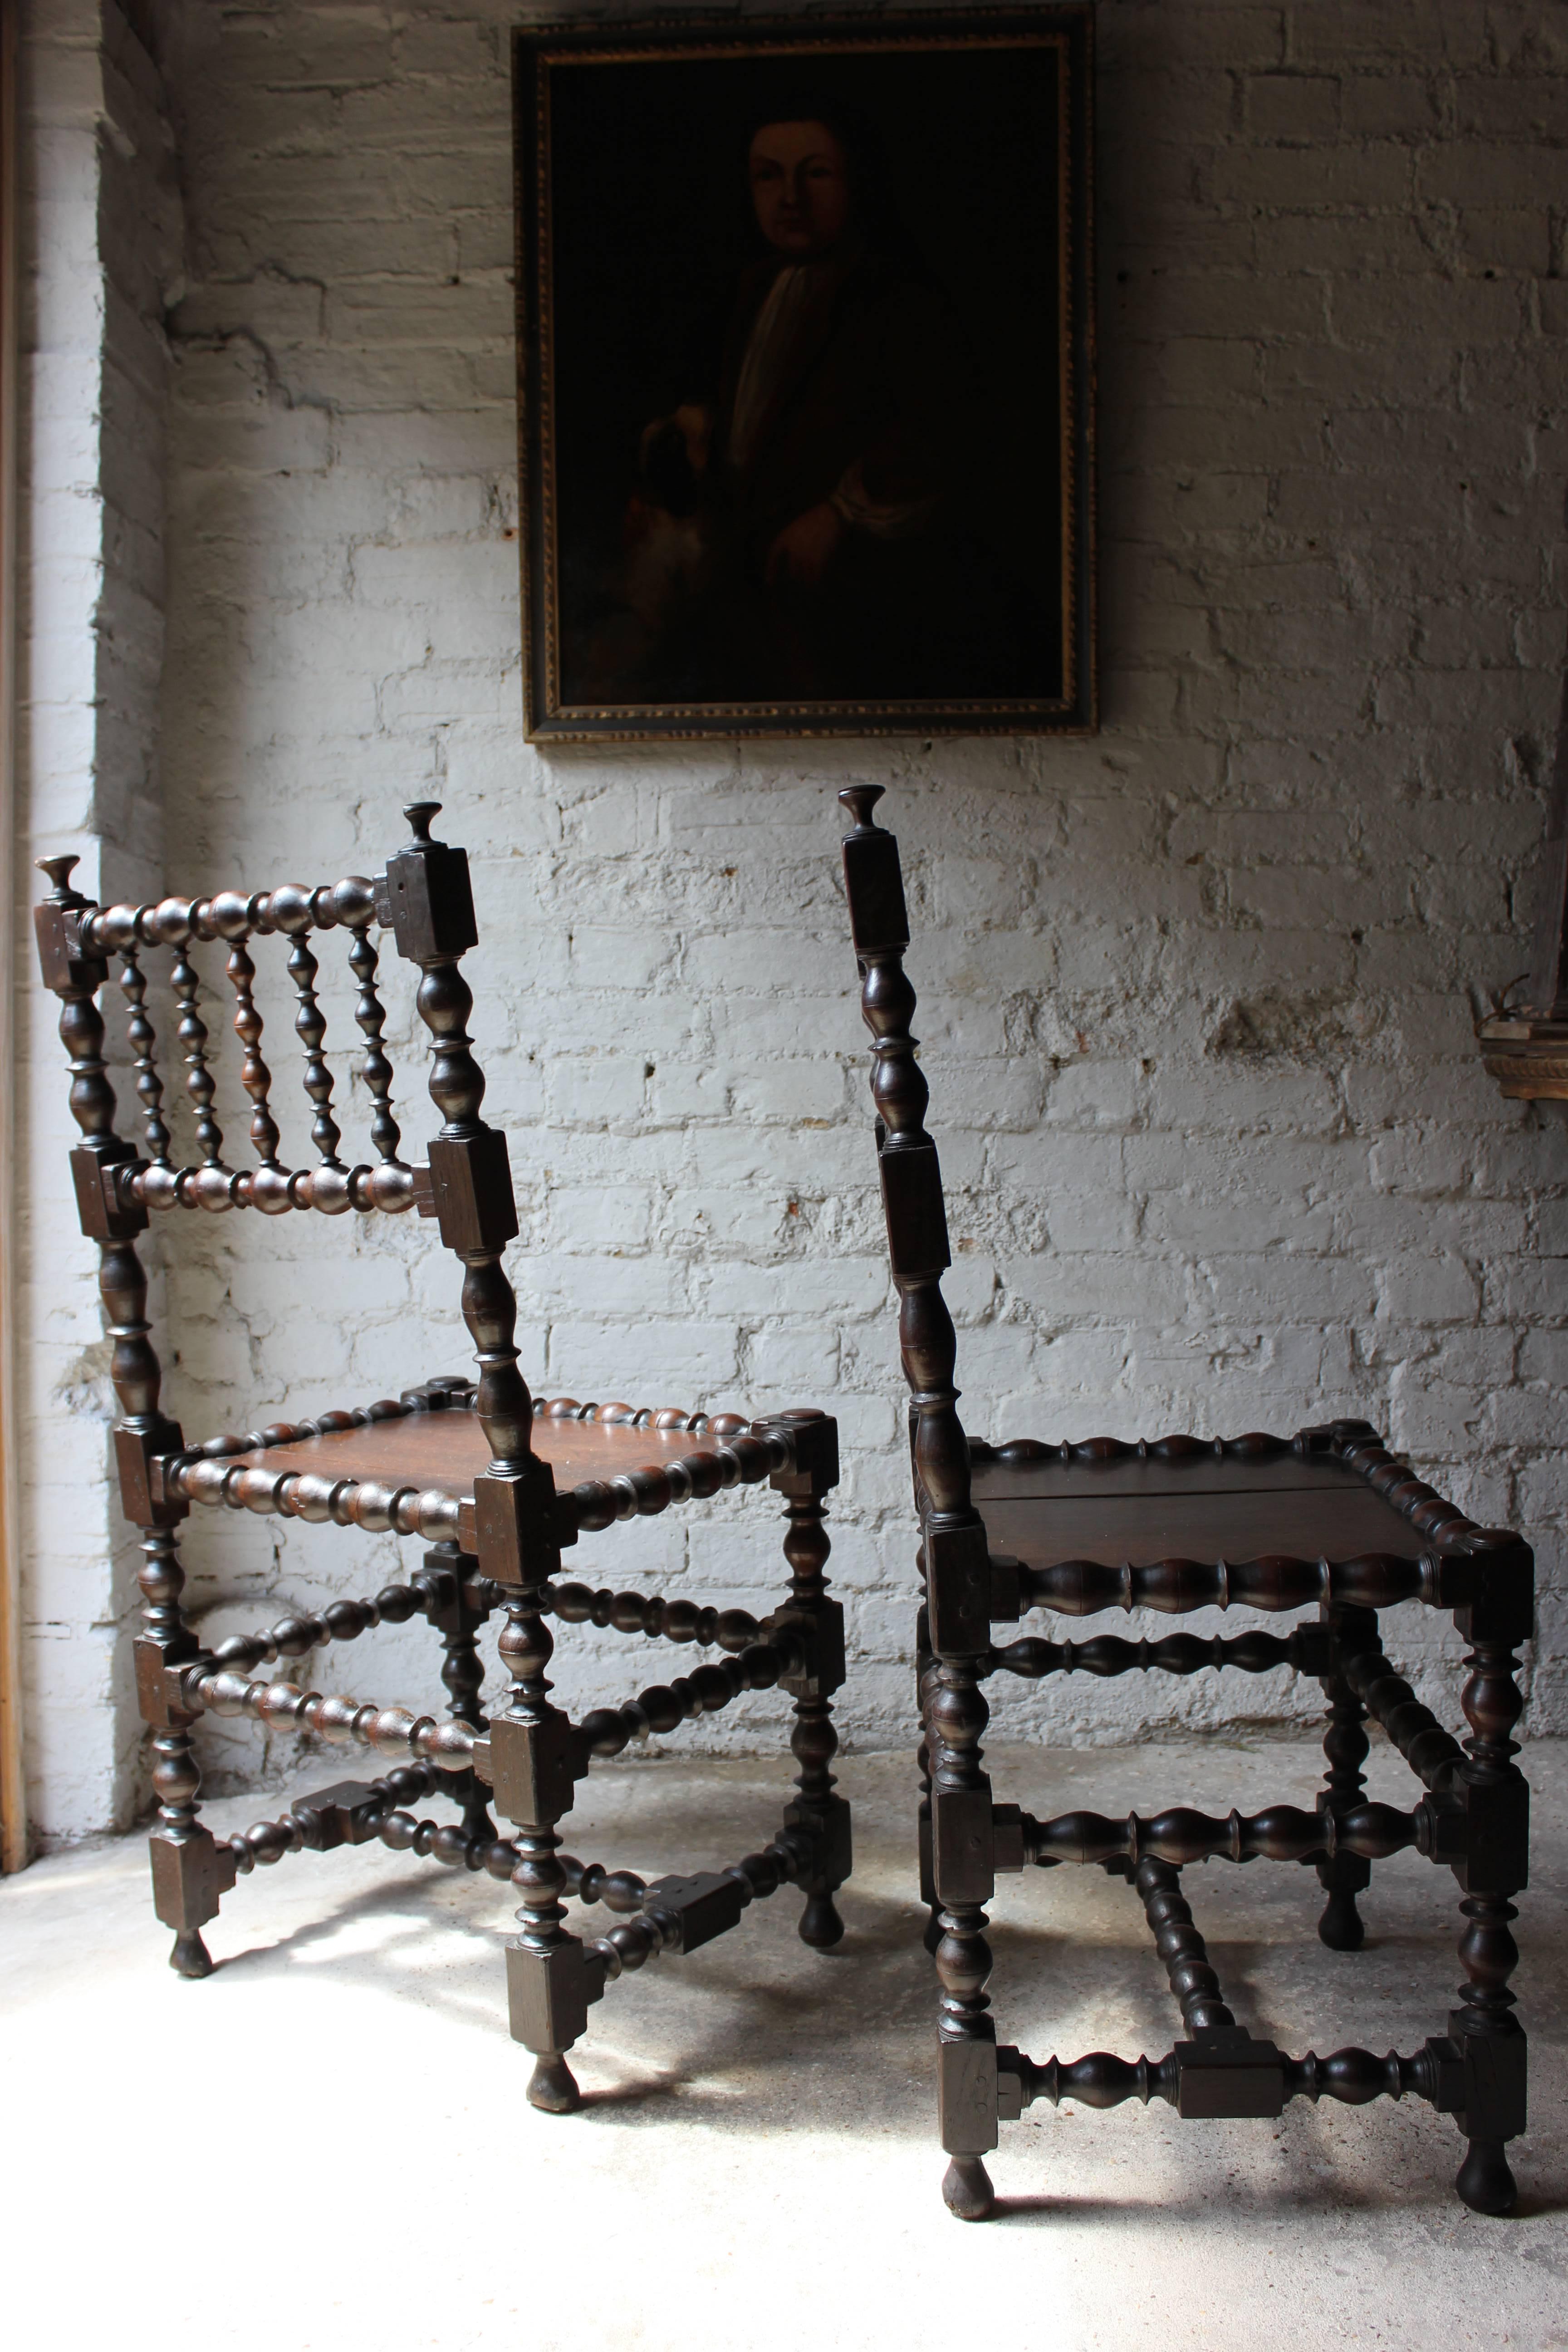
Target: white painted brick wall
x,y
1196,994
98,243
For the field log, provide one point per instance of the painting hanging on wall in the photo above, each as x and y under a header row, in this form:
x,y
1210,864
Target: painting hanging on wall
x,y
806,354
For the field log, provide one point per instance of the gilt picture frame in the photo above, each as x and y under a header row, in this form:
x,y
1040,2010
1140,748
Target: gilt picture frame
x,y
805,359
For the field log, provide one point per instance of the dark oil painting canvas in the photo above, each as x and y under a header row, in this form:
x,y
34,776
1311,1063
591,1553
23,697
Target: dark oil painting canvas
x,y
806,375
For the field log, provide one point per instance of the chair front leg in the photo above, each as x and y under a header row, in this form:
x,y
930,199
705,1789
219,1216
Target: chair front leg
x,y
818,1622
534,1764
1489,2035
545,1972
956,1716
1345,1750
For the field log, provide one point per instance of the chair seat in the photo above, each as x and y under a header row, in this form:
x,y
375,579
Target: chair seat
x,y
1115,1504
412,1465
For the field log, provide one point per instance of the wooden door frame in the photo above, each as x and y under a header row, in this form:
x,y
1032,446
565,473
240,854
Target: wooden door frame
x,y
13,1840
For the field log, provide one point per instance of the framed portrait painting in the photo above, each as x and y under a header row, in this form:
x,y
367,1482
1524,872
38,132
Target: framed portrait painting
x,y
807,354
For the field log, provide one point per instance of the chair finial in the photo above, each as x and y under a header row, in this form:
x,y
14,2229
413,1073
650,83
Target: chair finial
x,y
860,799
419,814
59,870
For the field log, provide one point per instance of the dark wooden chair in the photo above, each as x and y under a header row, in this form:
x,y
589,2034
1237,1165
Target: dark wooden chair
x,y
1328,1517
499,1484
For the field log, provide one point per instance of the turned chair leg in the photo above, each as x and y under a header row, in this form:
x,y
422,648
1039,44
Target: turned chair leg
x,y
815,1810
1489,2035
462,1672
956,1716
1345,1749
545,1975
963,1965
191,1871
1489,1956
547,1981
925,1669
814,1743
546,1984
176,1842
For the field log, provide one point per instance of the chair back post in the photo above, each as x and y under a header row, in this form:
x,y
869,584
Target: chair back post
x,y
190,1870
426,900
957,1565
108,1215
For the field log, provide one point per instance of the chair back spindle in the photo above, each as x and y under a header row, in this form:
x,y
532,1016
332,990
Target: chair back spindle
x,y
212,1185
374,1068
143,1041
131,933
254,1075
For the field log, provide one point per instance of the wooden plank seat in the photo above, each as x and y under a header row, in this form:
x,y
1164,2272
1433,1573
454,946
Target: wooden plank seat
x,y
497,1484
1181,1499
411,1462
1328,1520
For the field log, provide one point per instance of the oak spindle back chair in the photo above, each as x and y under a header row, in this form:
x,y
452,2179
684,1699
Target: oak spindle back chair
x,y
1275,1523
497,1482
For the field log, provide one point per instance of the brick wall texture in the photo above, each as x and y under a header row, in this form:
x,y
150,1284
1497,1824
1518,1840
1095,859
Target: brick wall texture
x,y
1196,994
99,241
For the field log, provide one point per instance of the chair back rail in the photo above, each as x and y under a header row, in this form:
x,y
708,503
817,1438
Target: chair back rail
x,y
425,898
127,935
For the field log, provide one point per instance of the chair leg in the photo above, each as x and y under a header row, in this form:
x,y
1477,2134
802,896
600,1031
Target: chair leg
x,y
1489,2034
463,1674
956,1716
813,1742
176,1844
1489,1956
546,1982
925,1667
1345,1748
191,1871
545,1973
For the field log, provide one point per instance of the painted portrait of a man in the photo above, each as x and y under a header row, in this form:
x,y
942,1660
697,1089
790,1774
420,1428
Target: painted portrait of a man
x,y
803,445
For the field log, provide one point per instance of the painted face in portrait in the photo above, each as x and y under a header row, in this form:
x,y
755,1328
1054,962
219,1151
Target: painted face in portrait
x,y
800,188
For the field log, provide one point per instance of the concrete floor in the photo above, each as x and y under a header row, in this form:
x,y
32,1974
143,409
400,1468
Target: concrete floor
x,y
326,2143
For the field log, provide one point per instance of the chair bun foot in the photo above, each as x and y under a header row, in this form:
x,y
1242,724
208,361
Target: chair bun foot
x,y
553,2086
820,1924
966,2190
1485,2183
1340,1926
